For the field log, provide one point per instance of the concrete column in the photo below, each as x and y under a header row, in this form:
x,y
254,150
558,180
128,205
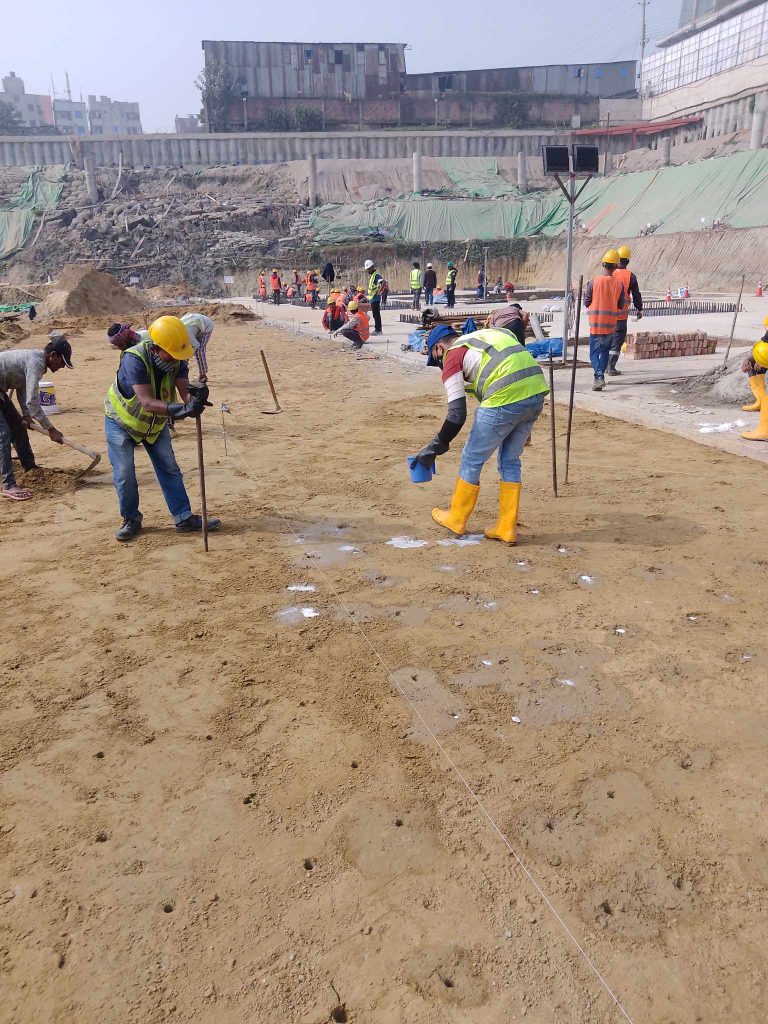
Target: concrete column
x,y
417,180
758,129
90,178
522,172
313,179
665,150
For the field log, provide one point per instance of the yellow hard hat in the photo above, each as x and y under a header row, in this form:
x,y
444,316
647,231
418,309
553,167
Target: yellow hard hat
x,y
170,334
353,306
760,354
625,253
611,257
765,322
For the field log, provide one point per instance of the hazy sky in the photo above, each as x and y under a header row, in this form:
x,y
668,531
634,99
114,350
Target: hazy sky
x,y
149,50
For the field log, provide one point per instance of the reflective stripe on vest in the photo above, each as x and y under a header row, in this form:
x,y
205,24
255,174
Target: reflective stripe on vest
x,y
374,280
415,279
604,311
450,278
624,274
508,372
139,423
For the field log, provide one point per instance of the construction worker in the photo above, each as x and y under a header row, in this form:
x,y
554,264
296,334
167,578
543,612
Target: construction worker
x,y
138,406
416,282
200,329
756,366
604,299
312,284
357,328
510,387
276,285
262,286
334,317
480,293
373,293
510,318
430,283
122,336
631,288
450,285
21,370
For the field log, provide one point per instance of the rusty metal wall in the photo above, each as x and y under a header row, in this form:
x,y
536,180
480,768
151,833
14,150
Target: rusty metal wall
x,y
611,79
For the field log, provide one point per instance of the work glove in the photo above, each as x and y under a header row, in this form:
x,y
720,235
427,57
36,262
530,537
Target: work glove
x,y
181,410
429,453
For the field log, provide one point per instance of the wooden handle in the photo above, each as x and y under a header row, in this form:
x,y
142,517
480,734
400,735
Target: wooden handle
x,y
70,444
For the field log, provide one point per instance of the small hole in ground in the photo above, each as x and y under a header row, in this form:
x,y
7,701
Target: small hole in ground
x,y
355,764
309,864
448,982
101,837
99,754
606,908
611,794
549,824
168,908
339,1015
399,822
209,737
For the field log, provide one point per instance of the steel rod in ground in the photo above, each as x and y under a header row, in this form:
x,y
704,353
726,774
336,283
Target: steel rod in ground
x,y
573,378
552,421
269,378
201,467
735,315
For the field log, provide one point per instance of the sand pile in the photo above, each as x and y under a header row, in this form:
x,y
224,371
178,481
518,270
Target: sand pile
x,y
85,291
11,333
723,385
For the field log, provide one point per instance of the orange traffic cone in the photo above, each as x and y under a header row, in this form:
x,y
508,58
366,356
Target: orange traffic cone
x,y
669,294
759,292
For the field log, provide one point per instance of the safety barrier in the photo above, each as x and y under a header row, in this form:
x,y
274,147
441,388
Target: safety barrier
x,y
685,307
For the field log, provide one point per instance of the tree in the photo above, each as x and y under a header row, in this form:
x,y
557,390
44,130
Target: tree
x,y
218,92
511,111
10,122
308,119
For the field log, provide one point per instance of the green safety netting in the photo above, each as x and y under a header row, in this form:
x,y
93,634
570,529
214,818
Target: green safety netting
x,y
40,193
477,177
732,189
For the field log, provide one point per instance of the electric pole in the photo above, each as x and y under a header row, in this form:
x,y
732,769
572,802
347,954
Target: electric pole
x,y
643,43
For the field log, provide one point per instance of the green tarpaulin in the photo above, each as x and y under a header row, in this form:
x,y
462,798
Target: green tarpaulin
x,y
477,177
732,189
39,194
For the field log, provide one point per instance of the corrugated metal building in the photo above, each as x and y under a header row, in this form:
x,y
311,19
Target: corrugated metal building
x,y
352,71
611,79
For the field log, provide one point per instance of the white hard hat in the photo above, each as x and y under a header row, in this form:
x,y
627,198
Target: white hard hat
x,y
429,266
368,265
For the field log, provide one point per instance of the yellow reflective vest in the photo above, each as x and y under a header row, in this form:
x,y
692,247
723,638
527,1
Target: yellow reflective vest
x,y
508,372
415,280
139,423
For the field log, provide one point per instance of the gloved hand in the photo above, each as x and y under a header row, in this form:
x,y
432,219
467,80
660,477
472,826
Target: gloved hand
x,y
180,410
429,453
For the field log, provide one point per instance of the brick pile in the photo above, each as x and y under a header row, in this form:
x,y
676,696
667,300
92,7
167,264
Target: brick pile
x,y
647,345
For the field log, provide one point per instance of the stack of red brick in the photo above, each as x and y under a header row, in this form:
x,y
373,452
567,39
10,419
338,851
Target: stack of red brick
x,y
646,345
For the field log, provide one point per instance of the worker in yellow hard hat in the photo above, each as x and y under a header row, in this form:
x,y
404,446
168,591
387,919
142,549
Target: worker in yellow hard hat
x,y
631,290
605,299
756,366
138,406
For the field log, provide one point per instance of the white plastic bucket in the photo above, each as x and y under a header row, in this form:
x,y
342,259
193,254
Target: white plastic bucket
x,y
48,398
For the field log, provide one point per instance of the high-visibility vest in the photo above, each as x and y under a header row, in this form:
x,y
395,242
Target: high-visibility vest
x,y
374,282
363,328
508,372
604,310
624,274
415,280
450,278
275,282
139,423
311,283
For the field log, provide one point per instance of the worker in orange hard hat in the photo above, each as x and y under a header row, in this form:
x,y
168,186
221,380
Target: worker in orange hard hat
x,y
756,365
631,289
604,299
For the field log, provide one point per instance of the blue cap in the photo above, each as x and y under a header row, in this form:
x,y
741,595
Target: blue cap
x,y
438,333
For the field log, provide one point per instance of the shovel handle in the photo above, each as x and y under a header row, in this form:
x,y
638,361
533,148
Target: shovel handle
x,y
70,444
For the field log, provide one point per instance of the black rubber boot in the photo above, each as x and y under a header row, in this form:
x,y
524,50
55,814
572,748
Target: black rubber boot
x,y
128,530
612,371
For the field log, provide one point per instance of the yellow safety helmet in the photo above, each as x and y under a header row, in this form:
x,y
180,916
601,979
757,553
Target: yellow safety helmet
x,y
170,334
760,354
611,257
765,322
353,306
625,253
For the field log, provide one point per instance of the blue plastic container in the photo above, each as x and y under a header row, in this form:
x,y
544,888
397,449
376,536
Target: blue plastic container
x,y
420,474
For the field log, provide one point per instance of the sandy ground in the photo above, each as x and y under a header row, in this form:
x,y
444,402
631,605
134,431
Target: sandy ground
x,y
218,806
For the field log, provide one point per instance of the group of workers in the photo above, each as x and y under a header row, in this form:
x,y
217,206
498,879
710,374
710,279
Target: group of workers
x,y
297,286
607,298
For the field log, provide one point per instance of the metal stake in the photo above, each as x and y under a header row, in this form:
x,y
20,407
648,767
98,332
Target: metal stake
x,y
201,467
573,378
735,315
552,420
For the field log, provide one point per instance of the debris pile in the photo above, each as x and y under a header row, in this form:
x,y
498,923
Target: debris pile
x,y
85,291
723,385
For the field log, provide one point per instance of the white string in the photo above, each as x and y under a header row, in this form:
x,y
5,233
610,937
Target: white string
x,y
481,806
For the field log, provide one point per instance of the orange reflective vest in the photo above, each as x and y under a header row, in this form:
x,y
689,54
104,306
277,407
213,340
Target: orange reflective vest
x,y
275,283
311,283
363,328
624,274
604,310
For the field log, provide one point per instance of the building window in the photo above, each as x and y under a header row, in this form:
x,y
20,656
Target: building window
x,y
624,73
382,55
286,55
360,54
79,115
338,56
444,83
31,107
598,72
307,56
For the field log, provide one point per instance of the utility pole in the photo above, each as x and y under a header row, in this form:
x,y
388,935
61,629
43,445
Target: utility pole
x,y
643,43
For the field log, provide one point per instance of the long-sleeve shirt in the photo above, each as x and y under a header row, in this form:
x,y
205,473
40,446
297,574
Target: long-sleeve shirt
x,y
430,280
22,369
200,328
634,291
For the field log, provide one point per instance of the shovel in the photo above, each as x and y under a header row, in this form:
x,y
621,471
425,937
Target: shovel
x,y
94,456
277,409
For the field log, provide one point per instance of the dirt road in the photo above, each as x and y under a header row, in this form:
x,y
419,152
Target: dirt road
x,y
216,805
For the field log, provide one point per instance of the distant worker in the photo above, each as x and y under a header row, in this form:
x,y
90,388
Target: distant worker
x,y
498,288
21,370
756,366
138,406
276,285
510,318
416,282
373,293
631,288
262,286
604,299
334,317
384,292
510,387
430,283
200,329
122,336
481,284
357,328
297,282
450,285
312,285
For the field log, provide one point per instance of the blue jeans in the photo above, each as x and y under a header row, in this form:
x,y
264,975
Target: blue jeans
x,y
599,353
122,450
507,428
429,296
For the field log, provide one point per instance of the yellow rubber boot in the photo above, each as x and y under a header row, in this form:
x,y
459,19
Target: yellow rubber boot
x,y
509,504
761,434
757,383
462,505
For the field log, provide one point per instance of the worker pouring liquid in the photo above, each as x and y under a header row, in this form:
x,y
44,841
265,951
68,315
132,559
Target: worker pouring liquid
x,y
604,299
631,289
137,407
510,387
